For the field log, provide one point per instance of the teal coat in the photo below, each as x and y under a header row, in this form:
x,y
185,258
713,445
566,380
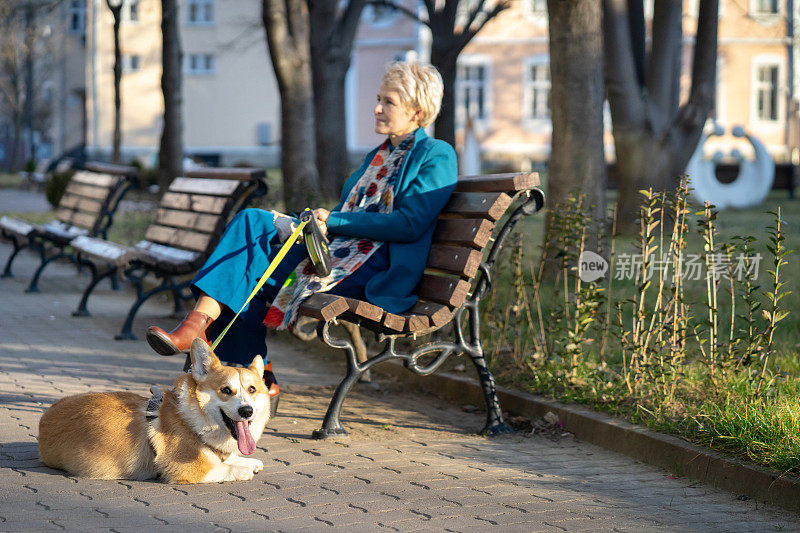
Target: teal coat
x,y
427,178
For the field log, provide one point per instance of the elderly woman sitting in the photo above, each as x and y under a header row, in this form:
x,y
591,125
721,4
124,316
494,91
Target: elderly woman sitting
x,y
381,233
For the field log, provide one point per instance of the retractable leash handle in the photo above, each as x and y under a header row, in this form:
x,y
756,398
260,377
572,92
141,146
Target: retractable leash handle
x,y
270,269
316,244
318,254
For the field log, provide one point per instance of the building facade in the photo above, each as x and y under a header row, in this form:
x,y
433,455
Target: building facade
x,y
231,101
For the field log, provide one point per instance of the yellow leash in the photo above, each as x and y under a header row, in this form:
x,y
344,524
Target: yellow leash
x,y
270,269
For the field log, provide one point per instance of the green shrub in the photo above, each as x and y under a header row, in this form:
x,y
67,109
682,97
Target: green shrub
x,y
56,185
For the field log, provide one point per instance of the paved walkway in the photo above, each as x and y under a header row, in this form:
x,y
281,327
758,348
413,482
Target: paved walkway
x,y
410,464
20,201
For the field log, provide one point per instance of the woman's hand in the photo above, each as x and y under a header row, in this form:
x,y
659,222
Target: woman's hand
x,y
322,219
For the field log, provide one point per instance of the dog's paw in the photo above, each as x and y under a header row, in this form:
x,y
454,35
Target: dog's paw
x,y
255,464
243,473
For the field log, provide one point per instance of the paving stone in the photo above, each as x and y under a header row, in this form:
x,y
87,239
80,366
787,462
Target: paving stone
x,y
426,472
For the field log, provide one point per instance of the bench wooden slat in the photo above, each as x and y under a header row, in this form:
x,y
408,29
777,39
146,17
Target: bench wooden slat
x,y
414,323
393,322
211,186
81,203
75,218
437,314
324,306
61,231
242,174
489,205
100,250
464,231
362,309
448,291
498,182
193,221
110,168
151,252
195,202
95,180
454,260
89,191
16,226
178,238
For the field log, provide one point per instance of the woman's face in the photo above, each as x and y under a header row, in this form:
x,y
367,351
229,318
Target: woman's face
x,y
392,117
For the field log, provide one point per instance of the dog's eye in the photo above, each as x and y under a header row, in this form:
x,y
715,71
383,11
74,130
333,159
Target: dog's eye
x,y
251,390
226,390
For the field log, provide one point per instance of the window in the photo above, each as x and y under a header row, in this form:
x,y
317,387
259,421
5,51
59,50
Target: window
x,y
536,87
200,64
200,12
130,63
537,7
535,11
472,88
130,11
766,92
764,7
77,16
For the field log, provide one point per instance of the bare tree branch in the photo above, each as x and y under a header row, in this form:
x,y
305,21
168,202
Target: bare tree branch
x,y
472,32
662,83
405,11
620,72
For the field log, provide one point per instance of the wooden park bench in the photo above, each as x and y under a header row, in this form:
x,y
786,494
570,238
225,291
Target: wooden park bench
x,y
86,208
458,275
190,219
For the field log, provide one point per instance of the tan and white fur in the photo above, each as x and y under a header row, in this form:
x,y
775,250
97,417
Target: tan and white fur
x,y
209,415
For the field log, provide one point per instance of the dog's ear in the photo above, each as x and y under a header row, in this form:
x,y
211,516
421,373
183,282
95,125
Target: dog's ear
x,y
257,365
203,359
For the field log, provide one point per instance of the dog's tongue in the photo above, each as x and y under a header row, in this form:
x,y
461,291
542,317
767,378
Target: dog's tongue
x,y
244,438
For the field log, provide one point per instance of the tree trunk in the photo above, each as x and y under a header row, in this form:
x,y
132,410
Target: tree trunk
x,y
332,34
330,128
447,45
287,28
170,154
30,54
117,139
445,125
577,163
654,137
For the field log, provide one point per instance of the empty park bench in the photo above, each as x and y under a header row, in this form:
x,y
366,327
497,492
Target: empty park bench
x,y
86,209
457,277
189,221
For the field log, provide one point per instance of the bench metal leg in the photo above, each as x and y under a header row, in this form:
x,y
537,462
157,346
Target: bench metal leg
x,y
18,246
82,310
177,299
34,285
126,333
331,427
495,425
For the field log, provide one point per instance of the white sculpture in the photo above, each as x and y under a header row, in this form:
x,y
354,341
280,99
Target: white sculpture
x,y
750,187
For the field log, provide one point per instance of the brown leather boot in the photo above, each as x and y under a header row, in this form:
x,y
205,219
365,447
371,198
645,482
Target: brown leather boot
x,y
179,339
274,389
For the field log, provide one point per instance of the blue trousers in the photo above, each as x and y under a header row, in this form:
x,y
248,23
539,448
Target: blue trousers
x,y
245,250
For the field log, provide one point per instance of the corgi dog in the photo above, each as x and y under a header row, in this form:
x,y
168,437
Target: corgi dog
x,y
191,437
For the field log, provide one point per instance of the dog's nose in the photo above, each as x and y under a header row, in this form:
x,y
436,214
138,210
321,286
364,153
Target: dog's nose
x,y
245,411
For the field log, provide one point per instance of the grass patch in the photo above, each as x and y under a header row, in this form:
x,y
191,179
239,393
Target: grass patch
x,y
11,181
620,348
128,227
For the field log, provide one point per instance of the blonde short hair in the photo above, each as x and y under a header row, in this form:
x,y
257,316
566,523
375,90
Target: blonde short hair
x,y
420,87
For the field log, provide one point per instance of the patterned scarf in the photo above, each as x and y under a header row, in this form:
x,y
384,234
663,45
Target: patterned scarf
x,y
373,193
